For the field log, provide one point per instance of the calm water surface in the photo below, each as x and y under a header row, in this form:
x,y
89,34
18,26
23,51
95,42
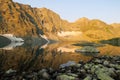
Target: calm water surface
x,y
27,57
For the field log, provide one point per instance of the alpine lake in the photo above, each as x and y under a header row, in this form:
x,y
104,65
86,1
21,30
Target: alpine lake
x,y
25,56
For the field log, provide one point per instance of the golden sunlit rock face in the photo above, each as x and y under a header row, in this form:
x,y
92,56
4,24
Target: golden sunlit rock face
x,y
23,20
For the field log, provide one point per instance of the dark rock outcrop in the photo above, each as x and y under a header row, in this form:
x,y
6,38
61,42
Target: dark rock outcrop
x,y
4,41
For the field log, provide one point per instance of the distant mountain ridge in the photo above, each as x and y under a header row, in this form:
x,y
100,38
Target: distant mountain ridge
x,y
23,20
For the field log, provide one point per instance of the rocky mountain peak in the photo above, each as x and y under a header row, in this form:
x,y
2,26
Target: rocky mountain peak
x,y
83,19
23,20
5,1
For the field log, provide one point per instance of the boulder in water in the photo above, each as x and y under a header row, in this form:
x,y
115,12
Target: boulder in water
x,y
88,49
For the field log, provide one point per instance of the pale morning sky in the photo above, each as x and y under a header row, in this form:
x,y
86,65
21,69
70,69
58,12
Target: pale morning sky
x,y
71,10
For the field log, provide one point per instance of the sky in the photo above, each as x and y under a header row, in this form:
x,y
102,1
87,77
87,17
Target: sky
x,y
71,10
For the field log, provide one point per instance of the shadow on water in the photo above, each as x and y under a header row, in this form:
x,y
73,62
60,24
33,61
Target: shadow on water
x,y
2,61
86,43
28,63
90,54
4,41
113,42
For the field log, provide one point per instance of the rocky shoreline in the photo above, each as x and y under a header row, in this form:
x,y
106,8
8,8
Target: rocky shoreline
x,y
98,68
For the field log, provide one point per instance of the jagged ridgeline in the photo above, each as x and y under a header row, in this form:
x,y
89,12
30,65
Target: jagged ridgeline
x,y
23,20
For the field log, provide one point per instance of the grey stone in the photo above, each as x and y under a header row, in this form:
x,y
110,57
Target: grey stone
x,y
98,61
106,63
111,72
88,49
87,66
118,72
88,78
78,65
65,77
10,71
83,71
117,67
103,74
69,63
71,74
45,75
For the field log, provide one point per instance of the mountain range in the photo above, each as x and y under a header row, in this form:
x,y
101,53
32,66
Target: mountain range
x,y
23,20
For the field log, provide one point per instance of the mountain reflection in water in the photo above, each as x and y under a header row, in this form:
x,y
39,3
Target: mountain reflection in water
x,y
44,56
114,41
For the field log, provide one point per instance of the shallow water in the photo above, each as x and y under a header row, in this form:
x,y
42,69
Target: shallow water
x,y
26,57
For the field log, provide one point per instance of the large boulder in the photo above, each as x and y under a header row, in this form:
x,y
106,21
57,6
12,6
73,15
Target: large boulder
x,y
88,50
65,77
